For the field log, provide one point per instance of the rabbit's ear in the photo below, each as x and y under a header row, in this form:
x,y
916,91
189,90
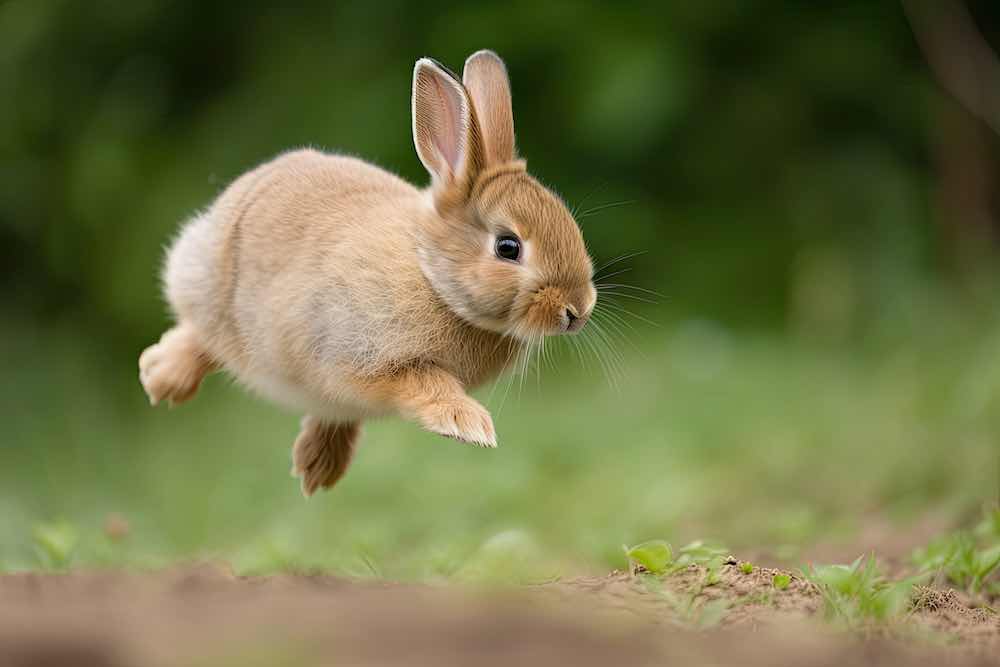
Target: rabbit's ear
x,y
485,77
445,131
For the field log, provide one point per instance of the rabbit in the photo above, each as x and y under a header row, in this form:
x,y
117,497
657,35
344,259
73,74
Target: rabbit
x,y
337,289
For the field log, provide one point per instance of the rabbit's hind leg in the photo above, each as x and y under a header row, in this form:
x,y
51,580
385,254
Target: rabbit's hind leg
x,y
172,369
322,452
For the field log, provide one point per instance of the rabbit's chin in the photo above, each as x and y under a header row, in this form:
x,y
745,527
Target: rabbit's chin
x,y
532,328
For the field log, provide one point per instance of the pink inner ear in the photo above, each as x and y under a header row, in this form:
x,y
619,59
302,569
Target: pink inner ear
x,y
448,130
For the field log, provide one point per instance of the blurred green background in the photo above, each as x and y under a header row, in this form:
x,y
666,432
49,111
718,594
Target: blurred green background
x,y
819,216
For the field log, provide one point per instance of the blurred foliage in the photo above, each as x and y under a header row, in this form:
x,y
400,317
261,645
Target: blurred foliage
x,y
751,440
780,161
763,143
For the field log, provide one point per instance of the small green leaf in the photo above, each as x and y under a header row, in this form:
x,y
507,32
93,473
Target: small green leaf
x,y
55,543
655,556
746,567
701,552
781,581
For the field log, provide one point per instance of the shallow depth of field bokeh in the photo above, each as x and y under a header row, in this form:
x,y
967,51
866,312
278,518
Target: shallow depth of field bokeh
x,y
817,216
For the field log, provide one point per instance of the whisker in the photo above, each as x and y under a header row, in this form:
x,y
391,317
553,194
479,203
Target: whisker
x,y
603,207
547,357
579,352
616,314
538,363
510,375
617,325
613,274
608,341
532,343
626,296
610,375
604,311
594,190
620,258
506,366
600,344
625,311
587,342
523,368
633,287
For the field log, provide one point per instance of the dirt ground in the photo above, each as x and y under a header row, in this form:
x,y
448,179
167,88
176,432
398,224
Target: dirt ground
x,y
203,615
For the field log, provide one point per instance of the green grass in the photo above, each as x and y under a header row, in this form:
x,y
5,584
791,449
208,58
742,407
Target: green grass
x,y
969,560
657,557
752,439
859,593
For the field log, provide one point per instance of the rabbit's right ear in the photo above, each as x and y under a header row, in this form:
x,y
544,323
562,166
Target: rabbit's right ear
x,y
445,131
485,77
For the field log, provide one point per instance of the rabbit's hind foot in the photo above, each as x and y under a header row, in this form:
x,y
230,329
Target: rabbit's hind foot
x,y
322,452
172,369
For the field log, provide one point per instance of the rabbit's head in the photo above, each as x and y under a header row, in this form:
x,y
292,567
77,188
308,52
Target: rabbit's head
x,y
501,250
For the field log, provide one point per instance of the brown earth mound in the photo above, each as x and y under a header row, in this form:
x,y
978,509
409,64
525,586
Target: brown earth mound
x,y
203,615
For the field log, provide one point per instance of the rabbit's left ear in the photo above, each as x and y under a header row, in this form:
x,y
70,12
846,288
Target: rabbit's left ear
x,y
485,77
445,131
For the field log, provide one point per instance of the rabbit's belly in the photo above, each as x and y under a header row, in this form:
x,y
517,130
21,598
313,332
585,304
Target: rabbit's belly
x,y
276,388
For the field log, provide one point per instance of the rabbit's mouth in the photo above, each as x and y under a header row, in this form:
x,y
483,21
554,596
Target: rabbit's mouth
x,y
573,319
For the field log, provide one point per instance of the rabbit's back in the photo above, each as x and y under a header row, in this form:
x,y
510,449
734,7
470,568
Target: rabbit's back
x,y
301,267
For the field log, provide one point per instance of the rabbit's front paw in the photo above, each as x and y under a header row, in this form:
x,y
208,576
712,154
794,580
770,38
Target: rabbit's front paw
x,y
172,369
464,420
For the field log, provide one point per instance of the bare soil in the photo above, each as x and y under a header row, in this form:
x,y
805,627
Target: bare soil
x,y
203,615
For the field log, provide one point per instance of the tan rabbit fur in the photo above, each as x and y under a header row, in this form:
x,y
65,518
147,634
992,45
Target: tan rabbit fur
x,y
338,289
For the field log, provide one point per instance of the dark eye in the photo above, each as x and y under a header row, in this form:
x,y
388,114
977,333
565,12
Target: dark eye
x,y
508,247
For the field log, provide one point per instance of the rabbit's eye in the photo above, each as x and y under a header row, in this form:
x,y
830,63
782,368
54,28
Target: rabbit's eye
x,y
508,247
